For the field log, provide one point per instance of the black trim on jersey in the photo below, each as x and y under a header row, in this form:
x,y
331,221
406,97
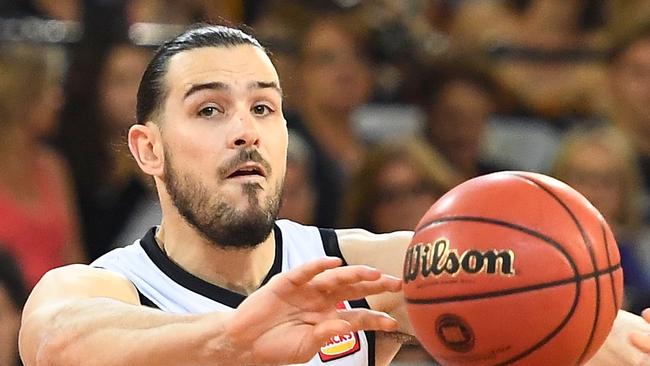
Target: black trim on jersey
x,y
145,301
332,249
195,284
370,335
331,244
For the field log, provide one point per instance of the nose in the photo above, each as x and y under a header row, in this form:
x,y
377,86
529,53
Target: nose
x,y
244,132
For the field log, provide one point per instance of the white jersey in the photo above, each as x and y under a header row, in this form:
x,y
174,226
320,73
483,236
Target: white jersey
x,y
162,284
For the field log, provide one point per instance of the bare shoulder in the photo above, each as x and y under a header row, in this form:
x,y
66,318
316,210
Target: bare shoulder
x,y
79,281
383,251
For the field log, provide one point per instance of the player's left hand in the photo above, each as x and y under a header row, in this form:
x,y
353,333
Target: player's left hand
x,y
640,338
628,343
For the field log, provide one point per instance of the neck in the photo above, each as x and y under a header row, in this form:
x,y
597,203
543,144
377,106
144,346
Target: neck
x,y
239,270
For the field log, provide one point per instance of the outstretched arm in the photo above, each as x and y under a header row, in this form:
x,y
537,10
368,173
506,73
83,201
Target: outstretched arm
x,y
628,344
79,315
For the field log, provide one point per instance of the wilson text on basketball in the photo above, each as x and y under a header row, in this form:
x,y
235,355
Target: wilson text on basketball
x,y
438,258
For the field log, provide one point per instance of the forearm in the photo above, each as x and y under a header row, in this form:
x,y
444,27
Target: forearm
x,y
105,332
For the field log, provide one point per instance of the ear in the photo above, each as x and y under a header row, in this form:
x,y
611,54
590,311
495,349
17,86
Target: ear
x,y
145,143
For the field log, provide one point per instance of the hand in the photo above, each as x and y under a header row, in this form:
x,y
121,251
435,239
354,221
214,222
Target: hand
x,y
290,318
628,343
640,338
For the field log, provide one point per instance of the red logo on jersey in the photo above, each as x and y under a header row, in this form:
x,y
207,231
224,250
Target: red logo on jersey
x,y
341,345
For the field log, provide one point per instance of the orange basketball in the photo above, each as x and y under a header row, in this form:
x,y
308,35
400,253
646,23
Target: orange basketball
x,y
512,268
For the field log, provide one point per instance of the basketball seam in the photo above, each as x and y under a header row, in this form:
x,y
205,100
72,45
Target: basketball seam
x,y
590,249
509,225
514,291
609,263
540,236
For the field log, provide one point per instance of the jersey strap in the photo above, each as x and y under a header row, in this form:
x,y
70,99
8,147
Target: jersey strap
x,y
332,249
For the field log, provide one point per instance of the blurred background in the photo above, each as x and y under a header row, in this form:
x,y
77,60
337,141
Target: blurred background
x,y
390,103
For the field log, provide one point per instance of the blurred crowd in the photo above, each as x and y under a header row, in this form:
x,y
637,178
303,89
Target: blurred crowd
x,y
390,103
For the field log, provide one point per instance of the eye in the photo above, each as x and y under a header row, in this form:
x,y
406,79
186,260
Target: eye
x,y
208,112
261,110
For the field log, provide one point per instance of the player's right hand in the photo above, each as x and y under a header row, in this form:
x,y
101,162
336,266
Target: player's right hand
x,y
292,317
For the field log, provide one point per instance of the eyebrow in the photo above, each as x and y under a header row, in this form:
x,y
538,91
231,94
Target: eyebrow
x,y
218,85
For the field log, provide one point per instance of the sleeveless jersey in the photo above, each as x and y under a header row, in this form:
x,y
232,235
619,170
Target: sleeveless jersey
x,y
163,284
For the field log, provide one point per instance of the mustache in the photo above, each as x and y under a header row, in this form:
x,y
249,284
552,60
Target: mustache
x,y
244,156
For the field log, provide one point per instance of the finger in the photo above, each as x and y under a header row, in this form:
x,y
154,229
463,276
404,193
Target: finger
x,y
385,283
365,319
641,341
306,272
340,276
646,314
324,330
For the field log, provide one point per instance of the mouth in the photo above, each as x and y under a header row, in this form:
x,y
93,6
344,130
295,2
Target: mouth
x,y
249,170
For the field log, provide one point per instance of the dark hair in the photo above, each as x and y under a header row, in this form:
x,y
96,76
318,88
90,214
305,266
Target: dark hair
x,y
151,91
11,279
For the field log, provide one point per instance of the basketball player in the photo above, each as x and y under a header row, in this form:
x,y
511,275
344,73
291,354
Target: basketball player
x,y
220,281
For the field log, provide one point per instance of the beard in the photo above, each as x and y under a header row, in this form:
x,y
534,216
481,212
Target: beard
x,y
215,219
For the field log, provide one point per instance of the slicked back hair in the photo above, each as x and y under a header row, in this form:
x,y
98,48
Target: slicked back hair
x,y
152,92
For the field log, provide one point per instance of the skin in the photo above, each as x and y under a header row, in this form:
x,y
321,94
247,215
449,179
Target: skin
x,y
74,310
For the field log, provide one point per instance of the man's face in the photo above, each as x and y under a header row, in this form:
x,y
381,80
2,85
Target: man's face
x,y
225,142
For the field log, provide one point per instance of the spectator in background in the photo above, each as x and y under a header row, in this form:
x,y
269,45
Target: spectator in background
x,y
115,198
13,295
38,224
629,86
334,79
299,198
396,184
545,53
600,163
458,109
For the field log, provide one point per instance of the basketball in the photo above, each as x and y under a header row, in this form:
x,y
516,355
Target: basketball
x,y
512,268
